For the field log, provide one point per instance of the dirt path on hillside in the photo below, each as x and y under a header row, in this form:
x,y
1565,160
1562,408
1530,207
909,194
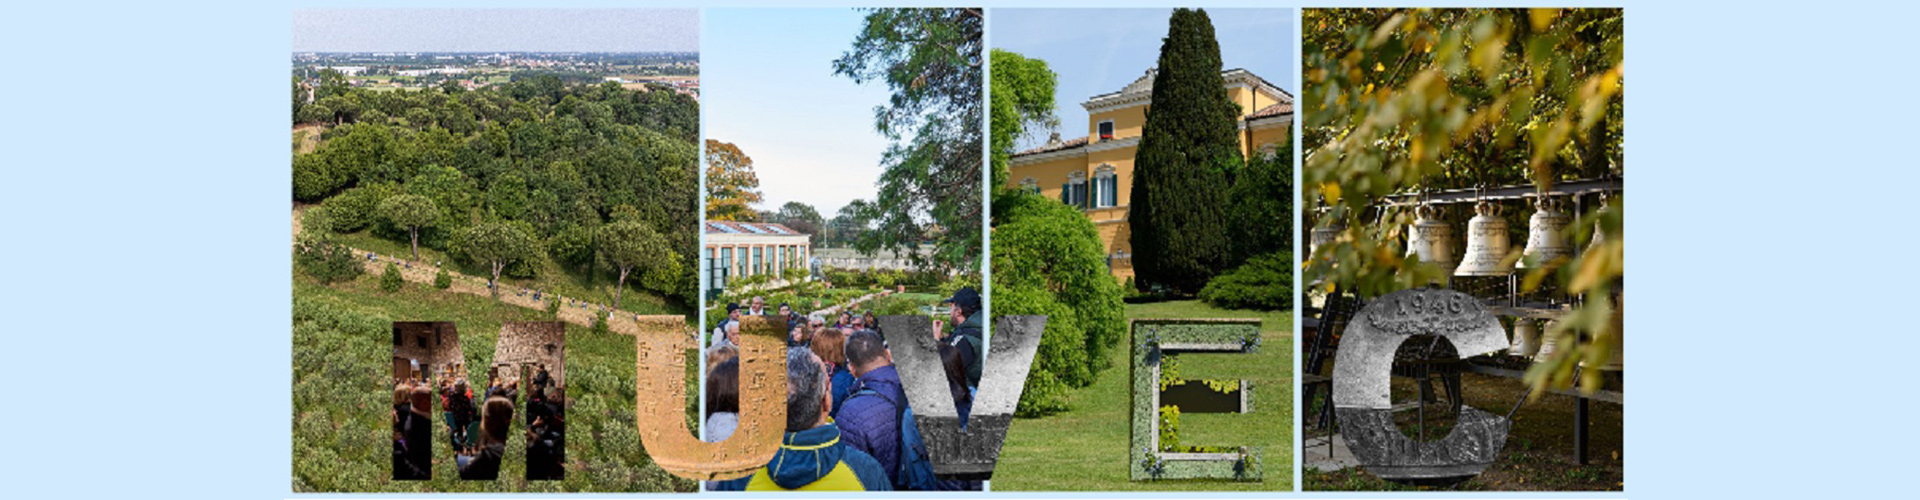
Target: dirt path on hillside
x,y
572,311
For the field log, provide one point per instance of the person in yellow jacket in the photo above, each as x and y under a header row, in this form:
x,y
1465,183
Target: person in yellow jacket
x,y
811,455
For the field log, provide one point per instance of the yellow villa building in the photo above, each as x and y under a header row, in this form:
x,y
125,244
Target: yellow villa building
x,y
1095,172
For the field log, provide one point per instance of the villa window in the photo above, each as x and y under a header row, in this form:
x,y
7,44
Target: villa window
x,y
1106,187
1074,192
1030,185
1106,130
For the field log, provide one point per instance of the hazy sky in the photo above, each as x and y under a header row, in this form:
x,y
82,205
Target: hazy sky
x,y
489,30
767,86
1096,51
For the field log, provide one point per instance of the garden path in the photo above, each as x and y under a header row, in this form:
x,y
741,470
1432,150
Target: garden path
x,y
573,311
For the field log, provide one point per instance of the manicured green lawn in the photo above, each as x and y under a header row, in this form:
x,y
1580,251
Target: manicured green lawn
x,y
1085,448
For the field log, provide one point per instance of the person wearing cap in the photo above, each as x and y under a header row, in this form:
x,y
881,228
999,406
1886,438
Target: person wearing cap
x,y
966,334
720,330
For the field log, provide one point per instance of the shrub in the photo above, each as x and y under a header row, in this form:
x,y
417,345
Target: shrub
x,y
1061,360
390,280
314,178
553,306
1048,259
326,260
357,208
443,279
1265,282
600,323
965,280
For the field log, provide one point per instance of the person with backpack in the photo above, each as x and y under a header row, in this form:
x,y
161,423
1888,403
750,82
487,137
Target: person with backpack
x,y
870,419
879,420
966,335
460,415
813,454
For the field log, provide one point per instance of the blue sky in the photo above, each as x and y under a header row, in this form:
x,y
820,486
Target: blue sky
x,y
490,30
1096,51
767,86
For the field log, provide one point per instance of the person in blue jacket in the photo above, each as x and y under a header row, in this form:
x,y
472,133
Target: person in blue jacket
x,y
870,420
812,455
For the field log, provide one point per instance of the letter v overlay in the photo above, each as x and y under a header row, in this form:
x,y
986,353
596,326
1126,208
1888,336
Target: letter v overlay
x,y
662,400
969,453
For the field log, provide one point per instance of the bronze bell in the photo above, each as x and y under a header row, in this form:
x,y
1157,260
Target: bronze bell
x,y
1526,337
1548,343
1429,239
1486,243
1618,360
1546,239
1599,235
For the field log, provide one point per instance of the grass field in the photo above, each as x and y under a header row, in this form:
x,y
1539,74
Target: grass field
x,y
340,394
1086,448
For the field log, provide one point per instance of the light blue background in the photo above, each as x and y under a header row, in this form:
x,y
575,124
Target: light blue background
x,y
144,213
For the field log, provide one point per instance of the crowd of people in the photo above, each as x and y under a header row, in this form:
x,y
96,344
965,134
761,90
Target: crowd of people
x,y
478,432
849,425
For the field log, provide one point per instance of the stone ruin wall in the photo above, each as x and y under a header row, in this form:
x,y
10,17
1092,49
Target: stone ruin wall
x,y
531,343
442,343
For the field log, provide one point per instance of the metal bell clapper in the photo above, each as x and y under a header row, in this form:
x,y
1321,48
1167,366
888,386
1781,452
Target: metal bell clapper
x,y
1487,243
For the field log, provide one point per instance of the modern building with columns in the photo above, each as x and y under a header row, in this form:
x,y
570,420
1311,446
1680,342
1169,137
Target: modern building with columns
x,y
739,249
1095,173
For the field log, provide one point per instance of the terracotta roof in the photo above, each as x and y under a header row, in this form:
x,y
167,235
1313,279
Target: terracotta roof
x,y
732,227
1285,108
1048,148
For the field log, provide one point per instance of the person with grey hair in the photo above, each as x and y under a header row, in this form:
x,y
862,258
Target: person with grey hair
x,y
811,456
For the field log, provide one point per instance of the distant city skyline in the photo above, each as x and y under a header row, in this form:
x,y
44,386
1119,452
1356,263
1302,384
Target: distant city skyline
x,y
496,30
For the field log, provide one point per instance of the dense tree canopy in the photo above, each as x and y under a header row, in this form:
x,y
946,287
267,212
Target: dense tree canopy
x,y
1189,152
555,159
931,187
1262,197
1022,100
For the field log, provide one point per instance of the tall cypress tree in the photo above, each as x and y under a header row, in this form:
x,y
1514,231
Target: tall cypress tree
x,y
1189,151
